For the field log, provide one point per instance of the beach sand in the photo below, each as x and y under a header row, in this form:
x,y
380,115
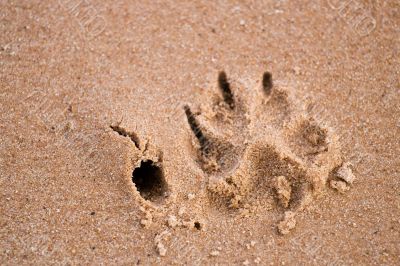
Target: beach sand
x,y
199,132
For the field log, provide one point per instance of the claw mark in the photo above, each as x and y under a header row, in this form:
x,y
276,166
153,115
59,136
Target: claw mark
x,y
195,127
225,88
123,132
267,83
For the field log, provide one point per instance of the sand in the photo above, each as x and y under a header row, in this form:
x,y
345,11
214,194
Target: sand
x,y
177,132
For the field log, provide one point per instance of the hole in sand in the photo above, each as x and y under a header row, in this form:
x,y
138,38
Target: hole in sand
x,y
267,83
197,225
149,181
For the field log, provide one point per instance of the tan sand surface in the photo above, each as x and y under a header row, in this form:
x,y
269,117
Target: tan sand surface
x,y
200,132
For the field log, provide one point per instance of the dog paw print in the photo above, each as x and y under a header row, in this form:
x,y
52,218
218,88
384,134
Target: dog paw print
x,y
260,149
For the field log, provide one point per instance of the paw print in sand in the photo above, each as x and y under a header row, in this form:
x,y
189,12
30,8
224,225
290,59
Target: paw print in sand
x,y
259,146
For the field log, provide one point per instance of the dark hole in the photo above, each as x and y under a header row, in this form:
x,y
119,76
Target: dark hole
x,y
92,213
197,225
149,180
267,83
